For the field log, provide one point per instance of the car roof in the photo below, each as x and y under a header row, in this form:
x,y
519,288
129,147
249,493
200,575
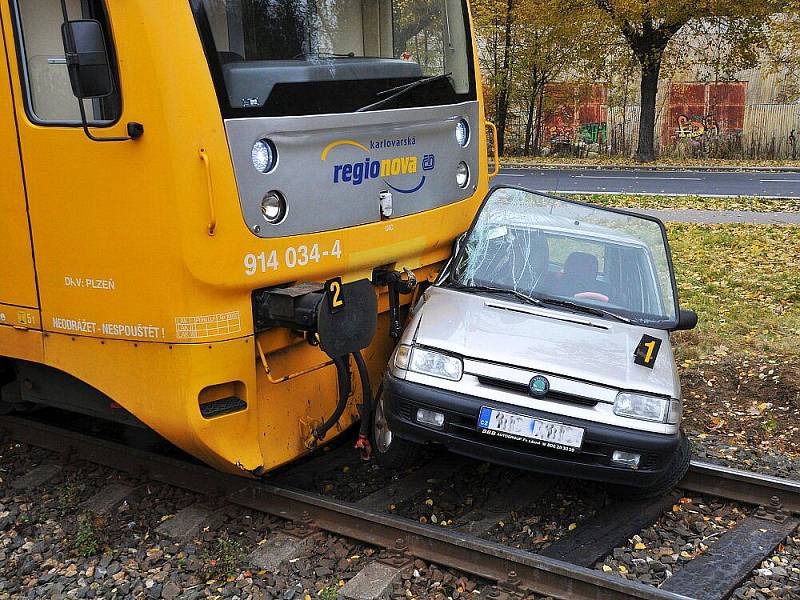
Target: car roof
x,y
566,226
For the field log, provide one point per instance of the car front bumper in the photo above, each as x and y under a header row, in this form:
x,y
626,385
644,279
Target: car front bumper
x,y
460,434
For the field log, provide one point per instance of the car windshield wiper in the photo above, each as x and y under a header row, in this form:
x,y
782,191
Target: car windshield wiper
x,y
398,91
496,290
600,312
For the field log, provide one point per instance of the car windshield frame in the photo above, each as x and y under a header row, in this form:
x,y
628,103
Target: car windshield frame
x,y
424,96
450,279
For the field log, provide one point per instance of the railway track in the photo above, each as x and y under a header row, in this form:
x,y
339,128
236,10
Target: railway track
x,y
563,570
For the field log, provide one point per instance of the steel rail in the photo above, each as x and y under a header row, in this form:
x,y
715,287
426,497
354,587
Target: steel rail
x,y
744,486
513,569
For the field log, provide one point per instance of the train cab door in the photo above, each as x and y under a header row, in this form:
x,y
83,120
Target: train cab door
x,y
69,179
18,294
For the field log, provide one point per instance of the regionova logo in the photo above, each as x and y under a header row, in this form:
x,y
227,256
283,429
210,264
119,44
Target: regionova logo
x,y
370,167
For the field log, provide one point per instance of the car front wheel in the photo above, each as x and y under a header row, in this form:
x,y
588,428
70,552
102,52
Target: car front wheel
x,y
390,451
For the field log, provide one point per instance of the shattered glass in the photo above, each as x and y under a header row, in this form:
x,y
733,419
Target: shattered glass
x,y
549,248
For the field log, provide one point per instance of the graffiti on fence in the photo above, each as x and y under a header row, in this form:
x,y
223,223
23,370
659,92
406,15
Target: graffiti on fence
x,y
696,127
588,133
574,117
593,133
561,129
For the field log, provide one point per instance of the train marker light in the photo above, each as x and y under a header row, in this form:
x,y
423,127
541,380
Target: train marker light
x,y
265,156
462,133
273,207
462,174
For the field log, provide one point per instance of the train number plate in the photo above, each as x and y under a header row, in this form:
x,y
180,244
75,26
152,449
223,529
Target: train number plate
x,y
539,432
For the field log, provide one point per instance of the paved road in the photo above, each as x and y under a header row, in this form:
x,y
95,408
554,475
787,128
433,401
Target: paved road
x,y
703,183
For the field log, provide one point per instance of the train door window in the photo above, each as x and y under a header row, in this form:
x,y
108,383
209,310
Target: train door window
x,y
43,67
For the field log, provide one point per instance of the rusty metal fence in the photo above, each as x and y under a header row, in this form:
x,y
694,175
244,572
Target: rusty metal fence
x,y
694,121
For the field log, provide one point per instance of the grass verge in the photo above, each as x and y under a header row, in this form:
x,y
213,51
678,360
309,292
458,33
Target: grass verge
x,y
690,202
740,365
744,282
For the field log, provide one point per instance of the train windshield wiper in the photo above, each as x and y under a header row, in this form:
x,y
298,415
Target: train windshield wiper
x,y
327,55
600,312
398,91
497,290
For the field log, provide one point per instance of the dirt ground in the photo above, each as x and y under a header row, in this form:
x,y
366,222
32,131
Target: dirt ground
x,y
755,403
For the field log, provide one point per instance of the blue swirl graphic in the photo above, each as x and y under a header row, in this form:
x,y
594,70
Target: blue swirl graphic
x,y
411,191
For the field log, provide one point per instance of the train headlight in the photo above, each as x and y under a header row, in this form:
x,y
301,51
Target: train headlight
x,y
264,155
462,132
462,174
273,207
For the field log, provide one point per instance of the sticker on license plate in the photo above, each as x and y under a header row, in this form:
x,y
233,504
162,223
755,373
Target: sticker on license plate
x,y
539,432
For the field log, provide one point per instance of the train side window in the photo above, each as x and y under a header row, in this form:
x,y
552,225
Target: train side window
x,y
48,95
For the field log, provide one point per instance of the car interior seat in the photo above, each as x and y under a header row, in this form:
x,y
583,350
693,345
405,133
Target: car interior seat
x,y
525,261
579,275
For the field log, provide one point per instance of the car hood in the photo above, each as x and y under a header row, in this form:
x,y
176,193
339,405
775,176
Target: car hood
x,y
542,339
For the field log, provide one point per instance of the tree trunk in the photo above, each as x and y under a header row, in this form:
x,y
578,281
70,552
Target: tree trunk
x,y
648,44
651,67
537,142
505,81
529,124
622,147
531,112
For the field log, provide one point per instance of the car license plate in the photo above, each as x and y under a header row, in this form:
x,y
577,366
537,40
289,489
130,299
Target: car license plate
x,y
539,432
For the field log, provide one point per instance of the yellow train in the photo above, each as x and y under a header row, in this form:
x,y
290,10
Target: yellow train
x,y
206,204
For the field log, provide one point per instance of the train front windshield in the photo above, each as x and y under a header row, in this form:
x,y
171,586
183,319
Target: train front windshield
x,y
302,57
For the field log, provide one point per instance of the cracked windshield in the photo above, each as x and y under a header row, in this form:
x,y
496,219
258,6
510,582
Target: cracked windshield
x,y
293,57
548,249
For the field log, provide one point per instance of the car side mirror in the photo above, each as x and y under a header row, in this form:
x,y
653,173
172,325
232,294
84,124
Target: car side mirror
x,y
88,63
687,319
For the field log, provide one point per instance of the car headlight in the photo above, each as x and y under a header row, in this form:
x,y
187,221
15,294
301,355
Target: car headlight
x,y
675,412
401,356
642,406
436,364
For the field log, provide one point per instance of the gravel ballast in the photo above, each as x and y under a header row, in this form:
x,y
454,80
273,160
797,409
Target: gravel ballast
x,y
50,547
685,532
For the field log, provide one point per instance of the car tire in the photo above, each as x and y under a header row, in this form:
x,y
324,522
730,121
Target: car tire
x,y
673,475
390,451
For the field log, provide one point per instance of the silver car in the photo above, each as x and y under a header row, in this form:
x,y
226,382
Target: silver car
x,y
545,345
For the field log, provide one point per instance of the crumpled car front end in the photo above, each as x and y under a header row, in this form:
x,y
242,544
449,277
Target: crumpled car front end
x,y
503,365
